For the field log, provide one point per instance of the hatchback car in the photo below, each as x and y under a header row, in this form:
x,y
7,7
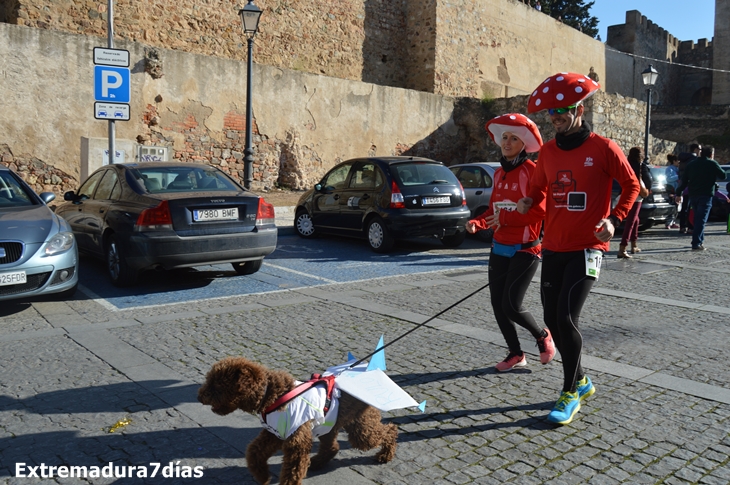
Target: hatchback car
x,y
383,199
477,180
657,207
720,209
164,215
38,253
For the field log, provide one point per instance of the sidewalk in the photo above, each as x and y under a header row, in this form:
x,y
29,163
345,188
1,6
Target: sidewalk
x,y
655,345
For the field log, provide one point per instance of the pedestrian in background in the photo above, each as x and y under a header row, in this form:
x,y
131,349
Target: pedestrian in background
x,y
699,178
573,176
515,252
631,223
672,175
685,227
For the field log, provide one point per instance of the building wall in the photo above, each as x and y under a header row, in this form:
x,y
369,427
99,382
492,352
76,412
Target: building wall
x,y
303,123
721,53
489,48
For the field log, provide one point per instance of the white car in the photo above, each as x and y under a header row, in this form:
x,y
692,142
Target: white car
x,y
38,252
477,180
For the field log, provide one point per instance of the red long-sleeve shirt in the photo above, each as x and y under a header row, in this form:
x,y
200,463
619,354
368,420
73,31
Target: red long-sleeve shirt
x,y
576,184
515,228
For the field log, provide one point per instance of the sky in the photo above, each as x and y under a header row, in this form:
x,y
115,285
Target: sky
x,y
685,20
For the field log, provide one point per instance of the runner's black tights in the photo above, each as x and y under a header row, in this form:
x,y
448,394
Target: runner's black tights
x,y
564,288
508,282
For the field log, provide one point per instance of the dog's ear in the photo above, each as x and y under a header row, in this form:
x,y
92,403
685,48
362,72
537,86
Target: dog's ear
x,y
250,381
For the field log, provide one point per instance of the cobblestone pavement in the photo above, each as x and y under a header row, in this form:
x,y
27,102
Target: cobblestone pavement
x,y
656,346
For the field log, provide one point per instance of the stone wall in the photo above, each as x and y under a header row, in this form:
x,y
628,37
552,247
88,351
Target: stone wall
x,y
303,123
485,49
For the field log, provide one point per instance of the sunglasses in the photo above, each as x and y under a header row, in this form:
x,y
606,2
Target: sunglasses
x,y
560,111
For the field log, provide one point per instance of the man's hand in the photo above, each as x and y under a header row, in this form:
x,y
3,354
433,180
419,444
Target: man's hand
x,y
471,227
493,220
604,230
524,204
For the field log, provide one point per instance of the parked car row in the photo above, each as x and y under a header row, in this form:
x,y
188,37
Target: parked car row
x,y
165,215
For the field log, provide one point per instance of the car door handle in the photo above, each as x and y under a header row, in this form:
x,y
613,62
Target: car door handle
x,y
480,192
101,211
336,197
365,197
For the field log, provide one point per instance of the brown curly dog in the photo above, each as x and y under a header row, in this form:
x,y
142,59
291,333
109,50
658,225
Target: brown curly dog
x,y
238,383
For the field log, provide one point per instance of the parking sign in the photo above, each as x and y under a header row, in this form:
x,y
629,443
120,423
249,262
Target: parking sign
x,y
112,84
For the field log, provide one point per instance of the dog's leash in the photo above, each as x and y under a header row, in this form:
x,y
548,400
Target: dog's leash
x,y
418,326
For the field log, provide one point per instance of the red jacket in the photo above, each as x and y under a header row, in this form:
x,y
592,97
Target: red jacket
x,y
577,187
514,228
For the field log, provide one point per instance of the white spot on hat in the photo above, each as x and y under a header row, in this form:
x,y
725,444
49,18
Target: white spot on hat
x,y
581,80
559,97
545,89
512,117
535,93
559,78
578,89
594,82
546,81
538,102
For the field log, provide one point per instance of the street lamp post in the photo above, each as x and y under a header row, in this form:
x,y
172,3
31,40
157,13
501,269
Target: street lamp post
x,y
649,76
250,15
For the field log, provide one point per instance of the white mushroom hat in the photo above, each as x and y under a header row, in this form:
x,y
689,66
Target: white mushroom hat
x,y
518,124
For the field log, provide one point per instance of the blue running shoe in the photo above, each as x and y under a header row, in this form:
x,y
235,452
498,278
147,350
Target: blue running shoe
x,y
568,404
585,388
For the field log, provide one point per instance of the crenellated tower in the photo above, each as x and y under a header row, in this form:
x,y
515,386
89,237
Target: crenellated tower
x,y
721,54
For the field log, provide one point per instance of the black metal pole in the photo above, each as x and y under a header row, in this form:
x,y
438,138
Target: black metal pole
x,y
248,151
648,123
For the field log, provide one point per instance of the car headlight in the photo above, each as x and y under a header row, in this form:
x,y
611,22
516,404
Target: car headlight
x,y
63,241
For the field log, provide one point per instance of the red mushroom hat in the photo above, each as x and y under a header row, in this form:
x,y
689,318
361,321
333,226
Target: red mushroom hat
x,y
561,90
520,125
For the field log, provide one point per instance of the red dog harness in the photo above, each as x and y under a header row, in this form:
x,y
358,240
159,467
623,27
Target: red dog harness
x,y
329,381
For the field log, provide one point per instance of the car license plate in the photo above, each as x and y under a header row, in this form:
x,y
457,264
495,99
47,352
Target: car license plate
x,y
437,200
215,215
15,278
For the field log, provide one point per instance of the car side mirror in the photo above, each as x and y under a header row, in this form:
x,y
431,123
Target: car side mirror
x,y
69,196
318,187
47,197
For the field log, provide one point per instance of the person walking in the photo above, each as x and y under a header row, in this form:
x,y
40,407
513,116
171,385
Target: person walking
x,y
672,175
515,252
573,176
685,158
699,178
631,223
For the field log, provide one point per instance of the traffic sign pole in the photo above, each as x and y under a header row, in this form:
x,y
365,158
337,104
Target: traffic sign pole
x,y
110,30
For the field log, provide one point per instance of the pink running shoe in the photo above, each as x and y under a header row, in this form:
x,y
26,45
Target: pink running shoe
x,y
513,360
547,348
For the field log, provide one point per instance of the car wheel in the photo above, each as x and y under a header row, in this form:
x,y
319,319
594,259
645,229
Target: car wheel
x,y
247,267
119,271
454,240
304,225
486,235
379,238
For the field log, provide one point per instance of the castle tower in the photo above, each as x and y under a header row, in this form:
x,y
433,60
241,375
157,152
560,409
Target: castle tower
x,y
721,53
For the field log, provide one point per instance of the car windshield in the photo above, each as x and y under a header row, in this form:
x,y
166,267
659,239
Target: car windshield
x,y
12,193
421,173
727,175
182,179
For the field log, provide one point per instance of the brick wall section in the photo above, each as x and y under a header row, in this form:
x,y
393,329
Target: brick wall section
x,y
38,174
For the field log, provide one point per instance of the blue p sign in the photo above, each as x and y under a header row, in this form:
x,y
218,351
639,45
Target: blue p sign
x,y
112,84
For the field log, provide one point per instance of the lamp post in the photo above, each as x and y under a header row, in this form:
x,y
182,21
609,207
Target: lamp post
x,y
250,15
649,76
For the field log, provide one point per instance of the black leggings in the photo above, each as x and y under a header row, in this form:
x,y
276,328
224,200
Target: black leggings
x,y
508,282
564,288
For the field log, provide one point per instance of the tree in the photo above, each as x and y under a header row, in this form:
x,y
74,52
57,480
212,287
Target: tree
x,y
574,13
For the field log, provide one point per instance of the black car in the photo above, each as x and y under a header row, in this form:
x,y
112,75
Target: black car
x,y
383,199
149,215
657,207
720,209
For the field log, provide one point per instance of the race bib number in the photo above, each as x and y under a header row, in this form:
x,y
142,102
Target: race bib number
x,y
593,262
506,205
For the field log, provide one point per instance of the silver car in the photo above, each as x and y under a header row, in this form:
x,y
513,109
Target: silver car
x,y
477,180
38,253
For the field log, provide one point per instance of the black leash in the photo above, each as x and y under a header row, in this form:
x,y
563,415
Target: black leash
x,y
418,326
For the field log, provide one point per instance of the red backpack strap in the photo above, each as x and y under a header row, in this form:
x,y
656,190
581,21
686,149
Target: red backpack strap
x,y
330,382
